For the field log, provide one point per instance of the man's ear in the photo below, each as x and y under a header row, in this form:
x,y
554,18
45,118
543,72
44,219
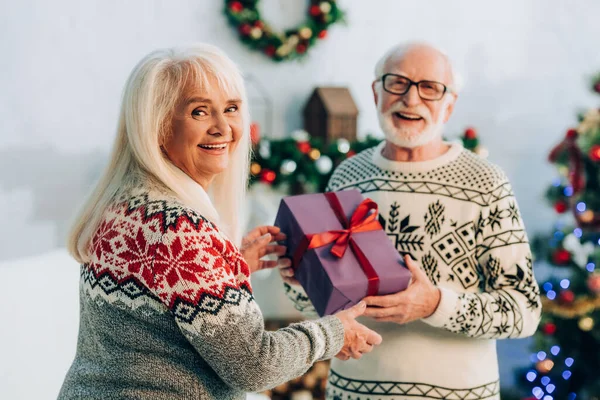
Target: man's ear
x,y
449,109
375,93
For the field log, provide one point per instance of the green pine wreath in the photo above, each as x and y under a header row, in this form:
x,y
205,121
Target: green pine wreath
x,y
289,45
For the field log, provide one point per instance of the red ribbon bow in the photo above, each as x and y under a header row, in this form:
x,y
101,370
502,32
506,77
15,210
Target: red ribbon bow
x,y
362,220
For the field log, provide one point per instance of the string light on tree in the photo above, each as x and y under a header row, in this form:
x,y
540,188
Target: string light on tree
x,y
586,324
314,154
343,146
288,167
324,165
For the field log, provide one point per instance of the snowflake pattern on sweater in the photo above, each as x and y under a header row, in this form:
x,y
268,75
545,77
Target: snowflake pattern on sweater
x,y
167,312
456,215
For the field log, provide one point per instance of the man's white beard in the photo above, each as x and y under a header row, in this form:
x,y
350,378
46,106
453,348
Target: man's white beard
x,y
402,137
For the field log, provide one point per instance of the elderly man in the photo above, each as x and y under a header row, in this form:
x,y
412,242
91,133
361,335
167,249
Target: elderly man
x,y
454,217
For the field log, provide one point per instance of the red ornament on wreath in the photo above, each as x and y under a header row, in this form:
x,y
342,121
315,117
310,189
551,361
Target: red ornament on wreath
x,y
236,7
549,328
301,48
561,257
566,297
561,207
245,29
597,87
280,46
304,147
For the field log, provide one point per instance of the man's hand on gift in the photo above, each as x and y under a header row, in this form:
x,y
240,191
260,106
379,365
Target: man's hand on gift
x,y
286,271
419,300
258,243
358,339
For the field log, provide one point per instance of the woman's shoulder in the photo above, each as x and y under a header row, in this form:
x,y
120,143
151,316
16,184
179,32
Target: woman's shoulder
x,y
159,209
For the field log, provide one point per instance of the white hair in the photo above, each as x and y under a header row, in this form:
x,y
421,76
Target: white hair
x,y
151,93
401,48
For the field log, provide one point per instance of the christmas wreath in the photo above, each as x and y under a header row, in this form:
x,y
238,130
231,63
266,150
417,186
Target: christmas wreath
x,y
291,44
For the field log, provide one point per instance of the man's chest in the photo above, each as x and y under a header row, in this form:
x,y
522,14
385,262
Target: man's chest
x,y
439,232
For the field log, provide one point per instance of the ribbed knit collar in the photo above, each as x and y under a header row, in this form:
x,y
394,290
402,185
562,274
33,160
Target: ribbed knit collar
x,y
416,166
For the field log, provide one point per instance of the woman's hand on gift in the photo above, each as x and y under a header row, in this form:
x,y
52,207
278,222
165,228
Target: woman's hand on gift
x,y
258,243
358,339
418,301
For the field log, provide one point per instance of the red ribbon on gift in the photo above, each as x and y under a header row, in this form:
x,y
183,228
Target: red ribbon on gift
x,y
362,220
569,144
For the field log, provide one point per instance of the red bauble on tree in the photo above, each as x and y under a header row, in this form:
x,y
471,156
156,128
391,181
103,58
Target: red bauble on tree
x,y
304,147
470,133
571,134
566,297
315,11
597,87
236,6
267,176
322,34
561,207
549,328
595,153
561,257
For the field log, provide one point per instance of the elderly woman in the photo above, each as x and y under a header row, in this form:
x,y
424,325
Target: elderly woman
x,y
167,310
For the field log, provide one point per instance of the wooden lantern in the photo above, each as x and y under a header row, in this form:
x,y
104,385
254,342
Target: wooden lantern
x,y
331,114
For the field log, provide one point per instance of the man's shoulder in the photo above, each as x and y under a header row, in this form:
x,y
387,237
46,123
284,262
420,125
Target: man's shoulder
x,y
488,174
355,169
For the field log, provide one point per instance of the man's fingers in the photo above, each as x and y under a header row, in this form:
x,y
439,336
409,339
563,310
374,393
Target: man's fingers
x,y
384,301
287,272
284,262
413,267
291,281
380,312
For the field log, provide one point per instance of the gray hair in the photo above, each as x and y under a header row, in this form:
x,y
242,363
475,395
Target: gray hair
x,y
401,48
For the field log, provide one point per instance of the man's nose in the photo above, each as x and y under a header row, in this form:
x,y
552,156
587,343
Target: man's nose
x,y
411,98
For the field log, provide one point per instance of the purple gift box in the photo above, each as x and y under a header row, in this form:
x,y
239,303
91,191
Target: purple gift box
x,y
332,283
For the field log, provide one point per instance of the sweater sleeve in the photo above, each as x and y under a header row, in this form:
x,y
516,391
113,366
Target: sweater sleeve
x,y
508,303
213,306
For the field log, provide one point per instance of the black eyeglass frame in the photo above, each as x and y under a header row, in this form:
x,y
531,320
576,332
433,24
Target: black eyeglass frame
x,y
411,83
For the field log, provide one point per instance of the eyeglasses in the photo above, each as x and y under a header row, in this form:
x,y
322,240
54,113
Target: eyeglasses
x,y
399,85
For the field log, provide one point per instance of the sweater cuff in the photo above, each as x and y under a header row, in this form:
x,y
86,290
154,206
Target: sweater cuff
x,y
447,306
334,334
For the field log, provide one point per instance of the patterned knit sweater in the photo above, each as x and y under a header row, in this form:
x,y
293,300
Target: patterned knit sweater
x,y
458,217
167,312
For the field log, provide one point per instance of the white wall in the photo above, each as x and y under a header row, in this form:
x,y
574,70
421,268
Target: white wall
x,y
64,63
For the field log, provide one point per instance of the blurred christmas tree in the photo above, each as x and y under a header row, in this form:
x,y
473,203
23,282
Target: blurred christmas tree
x,y
566,363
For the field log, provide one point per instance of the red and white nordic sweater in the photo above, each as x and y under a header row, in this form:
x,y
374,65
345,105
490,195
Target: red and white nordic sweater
x,y
167,312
